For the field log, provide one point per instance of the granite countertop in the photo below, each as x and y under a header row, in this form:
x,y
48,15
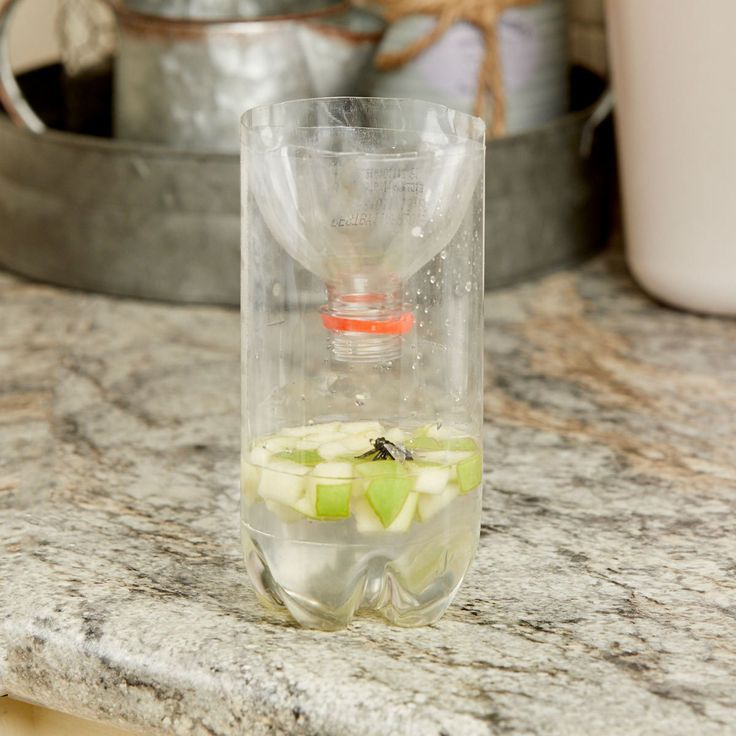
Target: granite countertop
x,y
603,598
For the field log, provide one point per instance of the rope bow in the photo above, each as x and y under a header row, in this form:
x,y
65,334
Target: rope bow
x,y
484,14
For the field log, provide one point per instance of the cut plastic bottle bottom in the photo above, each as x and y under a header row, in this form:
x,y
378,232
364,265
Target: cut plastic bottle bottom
x,y
327,533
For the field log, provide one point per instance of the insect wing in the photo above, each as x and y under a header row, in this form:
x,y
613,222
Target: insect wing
x,y
397,452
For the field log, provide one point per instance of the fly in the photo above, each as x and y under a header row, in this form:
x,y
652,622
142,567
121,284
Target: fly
x,y
383,450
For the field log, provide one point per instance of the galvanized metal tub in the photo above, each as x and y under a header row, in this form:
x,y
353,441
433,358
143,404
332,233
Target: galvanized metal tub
x,y
185,83
92,212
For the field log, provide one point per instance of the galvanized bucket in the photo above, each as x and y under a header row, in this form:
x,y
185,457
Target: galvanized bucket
x,y
185,70
149,221
533,49
185,83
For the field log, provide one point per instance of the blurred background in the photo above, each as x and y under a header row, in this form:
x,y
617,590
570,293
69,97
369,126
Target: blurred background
x,y
33,40
146,96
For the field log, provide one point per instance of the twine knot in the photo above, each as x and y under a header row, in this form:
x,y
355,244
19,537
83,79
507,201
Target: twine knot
x,y
484,14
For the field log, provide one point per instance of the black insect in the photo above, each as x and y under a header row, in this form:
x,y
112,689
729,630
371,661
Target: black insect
x,y
383,450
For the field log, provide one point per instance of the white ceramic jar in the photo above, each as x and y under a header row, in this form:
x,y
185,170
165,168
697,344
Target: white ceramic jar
x,y
673,69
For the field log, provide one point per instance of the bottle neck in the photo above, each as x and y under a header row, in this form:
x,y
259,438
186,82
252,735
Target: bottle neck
x,y
366,324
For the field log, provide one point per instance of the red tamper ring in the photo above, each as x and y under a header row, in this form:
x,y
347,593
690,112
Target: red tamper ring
x,y
398,326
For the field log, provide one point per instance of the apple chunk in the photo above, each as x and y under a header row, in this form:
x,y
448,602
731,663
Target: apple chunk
x,y
366,520
332,501
303,457
282,481
430,505
405,517
470,473
387,496
430,478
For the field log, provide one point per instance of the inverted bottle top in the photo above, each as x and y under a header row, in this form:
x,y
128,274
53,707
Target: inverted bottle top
x,y
362,192
362,188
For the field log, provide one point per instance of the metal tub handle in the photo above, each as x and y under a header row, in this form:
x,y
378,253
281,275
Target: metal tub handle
x,y
15,104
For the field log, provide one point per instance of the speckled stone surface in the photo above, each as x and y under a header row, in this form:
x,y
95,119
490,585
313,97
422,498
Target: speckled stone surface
x,y
603,598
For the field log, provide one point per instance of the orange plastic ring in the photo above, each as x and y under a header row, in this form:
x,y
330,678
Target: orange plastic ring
x,y
399,326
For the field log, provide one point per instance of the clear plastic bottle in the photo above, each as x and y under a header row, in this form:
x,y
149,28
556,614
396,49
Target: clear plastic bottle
x,y
362,355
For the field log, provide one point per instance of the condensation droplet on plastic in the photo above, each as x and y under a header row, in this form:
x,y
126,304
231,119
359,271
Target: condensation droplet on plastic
x,y
426,310
468,286
419,356
310,422
276,289
433,279
443,254
359,399
421,324
417,232
419,292
413,366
